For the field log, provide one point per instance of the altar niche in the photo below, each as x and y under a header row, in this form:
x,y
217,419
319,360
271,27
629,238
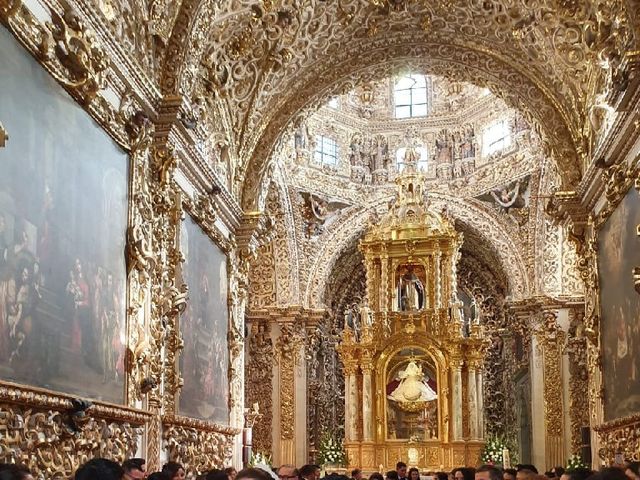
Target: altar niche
x,y
412,359
412,394
410,292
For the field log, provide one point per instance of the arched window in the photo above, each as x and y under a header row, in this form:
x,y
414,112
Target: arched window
x,y
422,163
496,137
326,152
410,96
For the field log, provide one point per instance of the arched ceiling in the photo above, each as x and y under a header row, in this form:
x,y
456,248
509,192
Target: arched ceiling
x,y
261,63
485,239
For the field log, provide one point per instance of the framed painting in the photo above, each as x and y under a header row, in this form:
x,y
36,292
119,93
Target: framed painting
x,y
63,218
204,362
618,253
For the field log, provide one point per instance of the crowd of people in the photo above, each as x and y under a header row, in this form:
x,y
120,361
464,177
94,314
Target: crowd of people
x,y
135,469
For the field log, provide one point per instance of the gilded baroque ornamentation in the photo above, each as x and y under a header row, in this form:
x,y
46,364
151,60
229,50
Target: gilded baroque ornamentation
x,y
287,350
80,61
620,436
576,348
259,382
551,338
39,432
198,445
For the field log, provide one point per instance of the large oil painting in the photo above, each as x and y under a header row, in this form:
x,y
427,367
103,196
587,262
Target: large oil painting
x,y
63,216
619,252
204,362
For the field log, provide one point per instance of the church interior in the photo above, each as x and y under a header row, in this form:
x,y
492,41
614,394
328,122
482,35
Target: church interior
x,y
349,235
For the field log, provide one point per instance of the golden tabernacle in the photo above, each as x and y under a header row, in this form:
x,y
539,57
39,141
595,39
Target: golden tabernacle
x,y
412,353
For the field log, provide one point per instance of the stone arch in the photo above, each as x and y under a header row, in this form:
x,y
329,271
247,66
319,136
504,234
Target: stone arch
x,y
494,238
559,130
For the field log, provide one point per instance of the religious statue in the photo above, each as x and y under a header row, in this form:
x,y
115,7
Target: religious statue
x,y
507,198
410,292
413,386
318,211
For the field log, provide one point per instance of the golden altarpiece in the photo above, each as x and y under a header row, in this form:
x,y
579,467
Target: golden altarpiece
x,y
412,364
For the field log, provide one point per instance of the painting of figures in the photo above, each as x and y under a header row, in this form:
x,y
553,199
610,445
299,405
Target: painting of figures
x,y
204,362
63,217
618,253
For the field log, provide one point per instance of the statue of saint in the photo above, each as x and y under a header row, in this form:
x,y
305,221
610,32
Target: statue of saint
x,y
410,292
413,386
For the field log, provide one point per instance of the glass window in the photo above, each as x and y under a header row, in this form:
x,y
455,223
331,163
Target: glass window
x,y
326,150
496,137
410,96
334,102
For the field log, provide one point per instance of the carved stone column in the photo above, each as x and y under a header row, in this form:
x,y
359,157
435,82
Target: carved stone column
x,y
288,347
384,283
367,396
437,276
480,397
472,392
456,413
351,400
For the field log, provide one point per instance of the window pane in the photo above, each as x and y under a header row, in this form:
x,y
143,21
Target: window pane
x,y
420,81
419,95
333,103
404,82
419,110
403,112
403,97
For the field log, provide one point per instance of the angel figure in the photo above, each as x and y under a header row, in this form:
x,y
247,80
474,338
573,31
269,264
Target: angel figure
x,y
507,198
317,212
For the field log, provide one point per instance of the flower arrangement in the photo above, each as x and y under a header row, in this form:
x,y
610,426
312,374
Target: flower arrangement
x,y
260,460
492,453
332,451
575,462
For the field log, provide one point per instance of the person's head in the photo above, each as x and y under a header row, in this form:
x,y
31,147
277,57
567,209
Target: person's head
x,y
633,470
216,474
393,474
557,471
253,474
99,469
488,472
309,472
442,476
414,474
231,473
9,471
134,469
158,476
610,473
356,474
174,470
577,474
376,476
287,472
509,474
526,472
401,468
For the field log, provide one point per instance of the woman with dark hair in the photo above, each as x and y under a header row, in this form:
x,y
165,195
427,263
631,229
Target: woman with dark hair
x,y
414,473
9,471
174,471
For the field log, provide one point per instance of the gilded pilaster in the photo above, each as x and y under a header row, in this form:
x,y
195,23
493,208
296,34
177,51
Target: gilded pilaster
x,y
551,340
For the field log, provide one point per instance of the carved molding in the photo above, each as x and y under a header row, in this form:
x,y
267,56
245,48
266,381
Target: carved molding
x,y
197,445
620,436
52,436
